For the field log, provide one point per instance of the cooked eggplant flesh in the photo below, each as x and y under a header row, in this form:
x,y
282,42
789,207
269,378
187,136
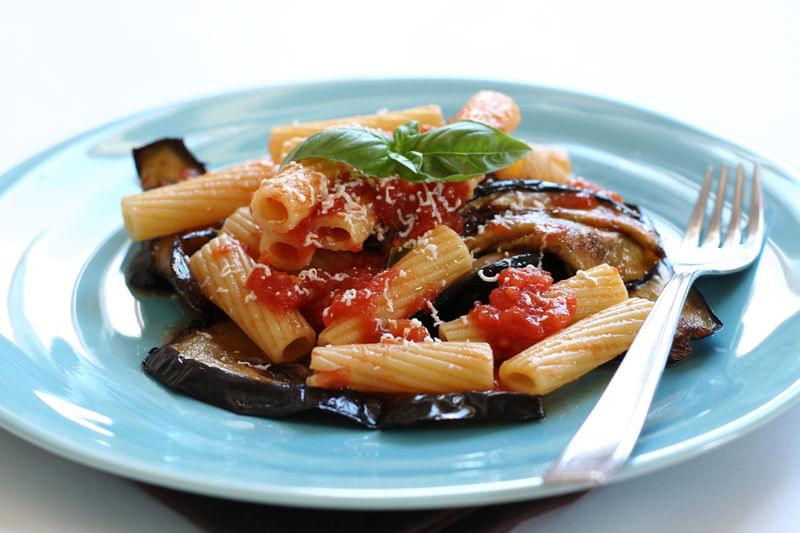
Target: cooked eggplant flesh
x,y
164,162
521,215
697,319
578,245
220,365
492,185
167,258
516,216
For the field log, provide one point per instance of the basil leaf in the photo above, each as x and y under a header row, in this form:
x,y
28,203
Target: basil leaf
x,y
405,136
355,146
404,162
455,152
466,149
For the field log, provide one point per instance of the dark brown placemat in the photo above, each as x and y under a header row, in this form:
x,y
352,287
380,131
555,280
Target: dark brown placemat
x,y
219,515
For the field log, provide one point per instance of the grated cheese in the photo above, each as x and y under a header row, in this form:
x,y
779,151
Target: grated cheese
x,y
250,297
434,314
585,275
265,268
312,239
389,303
348,296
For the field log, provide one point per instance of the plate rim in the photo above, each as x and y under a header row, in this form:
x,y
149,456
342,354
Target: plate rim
x,y
382,498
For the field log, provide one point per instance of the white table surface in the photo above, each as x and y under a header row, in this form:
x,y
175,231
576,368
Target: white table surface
x,y
732,68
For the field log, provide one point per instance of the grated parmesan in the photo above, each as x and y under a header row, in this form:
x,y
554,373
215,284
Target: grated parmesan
x,y
434,314
250,297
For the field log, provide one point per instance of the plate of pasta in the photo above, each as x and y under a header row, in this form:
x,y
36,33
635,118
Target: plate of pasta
x,y
371,294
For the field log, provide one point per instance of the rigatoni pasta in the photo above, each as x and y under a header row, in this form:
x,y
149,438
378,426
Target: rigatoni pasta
x,y
222,267
427,115
594,290
576,350
241,226
437,259
347,228
193,203
405,367
284,251
280,204
493,108
546,163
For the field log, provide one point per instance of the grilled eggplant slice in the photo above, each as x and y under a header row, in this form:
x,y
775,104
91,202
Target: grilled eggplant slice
x,y
164,162
580,227
167,259
697,319
524,215
221,366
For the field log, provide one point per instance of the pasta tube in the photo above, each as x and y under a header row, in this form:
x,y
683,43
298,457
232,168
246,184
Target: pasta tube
x,y
192,203
439,258
576,349
345,229
594,289
492,108
284,252
281,203
427,115
221,267
409,367
546,163
241,226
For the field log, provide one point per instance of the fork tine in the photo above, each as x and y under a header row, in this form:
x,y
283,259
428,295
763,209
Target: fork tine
x,y
713,234
692,234
755,226
734,233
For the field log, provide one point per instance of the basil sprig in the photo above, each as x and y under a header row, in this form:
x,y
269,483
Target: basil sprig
x,y
455,152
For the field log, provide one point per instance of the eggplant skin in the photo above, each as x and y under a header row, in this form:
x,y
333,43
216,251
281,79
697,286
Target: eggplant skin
x,y
164,162
140,274
459,298
163,263
496,406
697,319
219,365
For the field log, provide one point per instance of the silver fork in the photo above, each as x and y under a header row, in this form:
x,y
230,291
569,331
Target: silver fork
x,y
605,440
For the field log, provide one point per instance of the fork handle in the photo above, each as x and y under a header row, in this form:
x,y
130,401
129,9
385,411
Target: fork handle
x,y
605,440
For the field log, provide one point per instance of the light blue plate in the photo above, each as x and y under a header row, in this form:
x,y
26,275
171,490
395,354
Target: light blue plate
x,y
73,337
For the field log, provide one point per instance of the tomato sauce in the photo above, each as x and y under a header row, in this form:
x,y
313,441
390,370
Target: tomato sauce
x,y
415,208
360,301
311,290
589,186
332,379
519,314
571,200
400,330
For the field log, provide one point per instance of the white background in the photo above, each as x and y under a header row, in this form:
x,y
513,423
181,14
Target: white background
x,y
732,67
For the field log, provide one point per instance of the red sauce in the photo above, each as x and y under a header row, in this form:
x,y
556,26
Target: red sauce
x,y
571,200
419,207
310,291
408,209
360,300
518,313
332,379
401,329
223,249
275,288
589,186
